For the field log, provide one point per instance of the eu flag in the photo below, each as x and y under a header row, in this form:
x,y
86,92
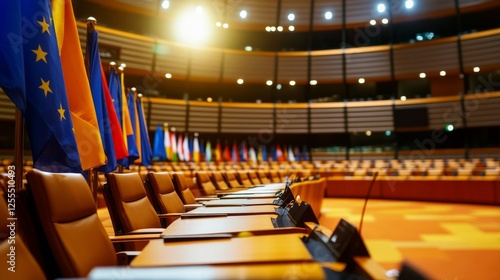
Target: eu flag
x,y
159,152
146,153
46,110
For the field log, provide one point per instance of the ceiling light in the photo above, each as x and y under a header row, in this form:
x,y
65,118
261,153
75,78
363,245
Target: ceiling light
x,y
218,24
199,10
273,28
278,86
291,28
422,75
385,21
268,28
269,82
280,28
209,99
168,75
313,82
243,14
240,81
225,25
248,48
403,98
328,15
409,4
368,133
442,73
476,69
165,4
291,17
381,8
361,80
373,22
292,82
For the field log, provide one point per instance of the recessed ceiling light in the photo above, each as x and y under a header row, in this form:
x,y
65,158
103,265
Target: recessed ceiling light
x,y
361,80
422,75
328,15
373,22
385,21
168,75
291,17
239,81
403,98
291,28
381,8
442,73
313,82
409,4
476,69
243,14
292,82
269,82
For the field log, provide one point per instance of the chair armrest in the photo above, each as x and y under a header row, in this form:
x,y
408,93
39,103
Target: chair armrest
x,y
190,207
125,257
134,237
146,230
206,198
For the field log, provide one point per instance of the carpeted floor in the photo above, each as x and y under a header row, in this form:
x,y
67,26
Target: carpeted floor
x,y
445,241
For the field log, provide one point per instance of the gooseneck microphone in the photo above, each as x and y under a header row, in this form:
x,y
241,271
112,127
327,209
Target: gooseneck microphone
x,y
374,178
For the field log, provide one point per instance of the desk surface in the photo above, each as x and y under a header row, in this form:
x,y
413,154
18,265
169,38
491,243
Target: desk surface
x,y
236,210
240,195
239,202
244,250
254,224
251,271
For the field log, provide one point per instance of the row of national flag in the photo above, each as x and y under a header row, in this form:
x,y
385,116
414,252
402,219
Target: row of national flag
x,y
75,120
171,146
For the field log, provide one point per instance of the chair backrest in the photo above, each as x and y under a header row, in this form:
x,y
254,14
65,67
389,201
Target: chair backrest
x,y
242,176
275,176
219,181
69,219
231,179
133,207
264,177
205,183
24,265
164,194
253,177
182,188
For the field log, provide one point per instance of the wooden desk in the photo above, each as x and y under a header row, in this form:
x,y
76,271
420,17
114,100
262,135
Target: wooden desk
x,y
245,250
239,195
239,202
254,225
312,271
236,210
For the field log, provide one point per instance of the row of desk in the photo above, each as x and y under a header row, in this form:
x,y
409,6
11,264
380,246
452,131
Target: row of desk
x,y
239,241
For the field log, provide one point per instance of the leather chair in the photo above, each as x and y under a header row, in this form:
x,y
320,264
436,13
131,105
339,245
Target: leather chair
x,y
219,181
254,177
264,177
26,267
163,192
182,188
275,176
242,176
133,208
205,183
69,219
232,180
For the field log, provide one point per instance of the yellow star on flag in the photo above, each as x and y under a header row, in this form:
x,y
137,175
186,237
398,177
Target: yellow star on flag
x,y
45,86
61,112
40,54
45,26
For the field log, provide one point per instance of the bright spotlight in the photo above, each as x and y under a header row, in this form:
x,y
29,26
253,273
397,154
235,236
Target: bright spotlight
x,y
292,83
291,17
409,4
476,69
373,22
240,81
449,127
361,80
328,15
442,73
168,75
165,4
381,8
243,14
193,28
403,98
385,21
291,28
269,82
280,28
313,82
422,75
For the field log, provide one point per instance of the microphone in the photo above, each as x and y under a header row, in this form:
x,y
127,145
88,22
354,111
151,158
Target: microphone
x,y
366,200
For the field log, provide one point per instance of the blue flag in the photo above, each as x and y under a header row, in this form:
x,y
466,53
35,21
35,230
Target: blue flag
x,y
115,90
31,58
159,152
96,87
146,153
133,150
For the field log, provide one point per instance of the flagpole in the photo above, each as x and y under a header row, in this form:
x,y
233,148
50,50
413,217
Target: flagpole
x,y
19,150
92,173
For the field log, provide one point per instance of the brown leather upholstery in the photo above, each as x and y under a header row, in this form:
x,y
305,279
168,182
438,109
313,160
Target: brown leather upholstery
x,y
219,181
253,177
182,188
133,207
205,183
231,180
163,191
68,215
25,265
242,176
275,176
264,177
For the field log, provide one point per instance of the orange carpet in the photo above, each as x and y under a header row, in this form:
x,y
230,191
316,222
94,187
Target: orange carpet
x,y
442,240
